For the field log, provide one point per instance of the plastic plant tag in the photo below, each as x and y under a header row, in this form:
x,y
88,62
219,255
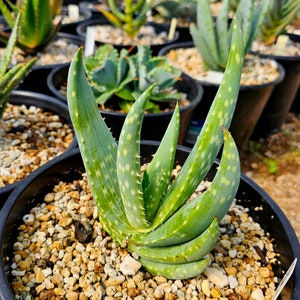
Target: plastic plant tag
x,y
89,41
281,45
285,279
172,30
73,11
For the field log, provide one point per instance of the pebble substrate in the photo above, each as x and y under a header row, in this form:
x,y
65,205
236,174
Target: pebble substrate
x,y
29,137
57,52
111,35
255,70
52,260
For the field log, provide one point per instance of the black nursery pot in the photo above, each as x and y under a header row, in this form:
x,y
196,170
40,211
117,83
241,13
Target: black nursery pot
x,y
36,79
155,48
69,166
154,124
251,101
47,103
282,98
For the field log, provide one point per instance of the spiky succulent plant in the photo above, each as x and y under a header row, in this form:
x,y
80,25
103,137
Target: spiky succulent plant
x,y
129,18
280,13
36,28
212,38
143,210
10,78
125,76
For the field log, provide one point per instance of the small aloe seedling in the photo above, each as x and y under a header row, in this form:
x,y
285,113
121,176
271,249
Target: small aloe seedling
x,y
130,18
10,78
212,38
280,13
127,76
155,218
36,28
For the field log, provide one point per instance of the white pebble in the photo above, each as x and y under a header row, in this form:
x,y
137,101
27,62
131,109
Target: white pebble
x,y
257,294
28,219
233,283
129,266
216,276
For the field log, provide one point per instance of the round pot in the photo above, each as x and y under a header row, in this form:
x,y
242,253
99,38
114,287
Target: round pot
x,y
282,97
69,166
70,28
250,104
36,79
45,102
155,48
154,124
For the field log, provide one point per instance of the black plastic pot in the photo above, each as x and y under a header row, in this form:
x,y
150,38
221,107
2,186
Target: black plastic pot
x,y
36,80
70,28
154,124
155,48
250,104
283,95
69,166
45,102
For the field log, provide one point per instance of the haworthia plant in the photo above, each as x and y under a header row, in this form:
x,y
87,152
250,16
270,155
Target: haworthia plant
x,y
11,77
123,76
153,217
212,38
36,28
129,18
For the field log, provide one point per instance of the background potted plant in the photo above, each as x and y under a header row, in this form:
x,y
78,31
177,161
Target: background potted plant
x,y
38,36
118,78
125,25
273,42
9,79
80,90
211,40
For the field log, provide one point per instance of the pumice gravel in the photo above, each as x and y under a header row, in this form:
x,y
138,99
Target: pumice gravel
x,y
29,137
62,252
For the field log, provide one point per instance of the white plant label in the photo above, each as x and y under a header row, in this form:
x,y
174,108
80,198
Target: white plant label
x,y
281,45
89,41
73,11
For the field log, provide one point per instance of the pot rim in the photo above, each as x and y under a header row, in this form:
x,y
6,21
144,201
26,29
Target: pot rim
x,y
294,243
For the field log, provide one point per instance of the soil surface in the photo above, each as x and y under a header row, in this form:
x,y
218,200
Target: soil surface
x,y
274,164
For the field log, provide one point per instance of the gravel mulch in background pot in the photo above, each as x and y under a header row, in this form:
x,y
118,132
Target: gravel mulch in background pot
x,y
153,34
34,129
60,50
256,245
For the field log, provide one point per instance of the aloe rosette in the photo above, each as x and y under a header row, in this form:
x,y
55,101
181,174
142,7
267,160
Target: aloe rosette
x,y
11,77
212,38
154,218
280,13
125,76
130,18
37,28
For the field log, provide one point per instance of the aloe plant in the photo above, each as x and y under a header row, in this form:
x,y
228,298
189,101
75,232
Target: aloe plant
x,y
36,28
143,210
129,18
10,78
126,76
280,13
212,38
